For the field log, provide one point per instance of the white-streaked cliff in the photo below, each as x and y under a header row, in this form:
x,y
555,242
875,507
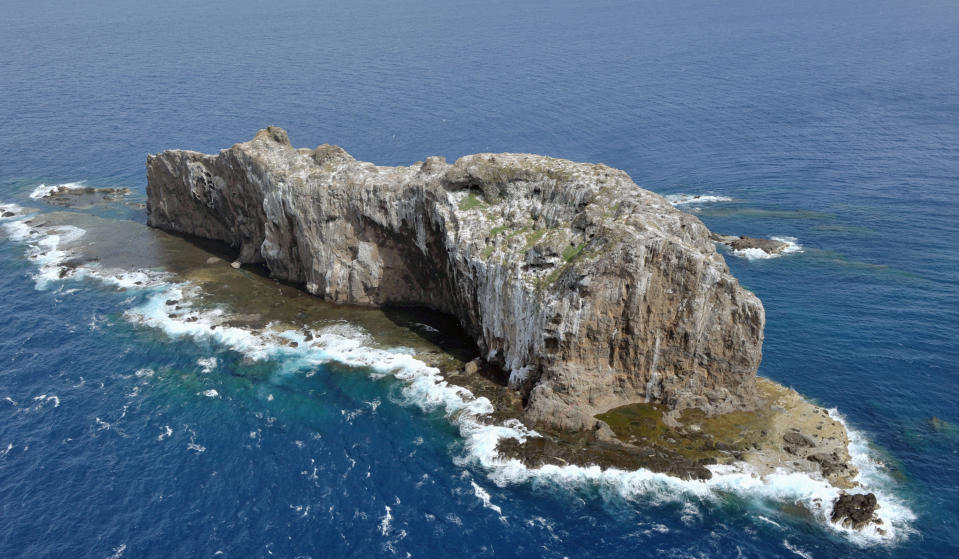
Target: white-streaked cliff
x,y
590,291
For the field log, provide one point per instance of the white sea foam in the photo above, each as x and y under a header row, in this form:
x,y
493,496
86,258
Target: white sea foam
x,y
211,393
386,522
45,190
14,209
484,497
51,247
207,364
118,551
46,248
425,387
769,521
47,398
792,246
796,550
682,199
302,510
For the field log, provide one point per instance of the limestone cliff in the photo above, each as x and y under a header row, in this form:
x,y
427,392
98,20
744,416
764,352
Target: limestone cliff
x,y
590,291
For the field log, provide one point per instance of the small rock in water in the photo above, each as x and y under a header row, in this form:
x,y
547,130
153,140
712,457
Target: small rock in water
x,y
235,265
212,260
855,511
742,242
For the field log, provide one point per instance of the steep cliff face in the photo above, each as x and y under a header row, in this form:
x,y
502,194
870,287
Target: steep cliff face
x,y
590,291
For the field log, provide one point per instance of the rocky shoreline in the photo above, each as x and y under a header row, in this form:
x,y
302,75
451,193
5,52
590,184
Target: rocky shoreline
x,y
636,348
783,433
603,315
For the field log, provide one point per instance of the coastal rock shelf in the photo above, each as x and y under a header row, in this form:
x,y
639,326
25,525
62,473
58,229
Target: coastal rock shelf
x,y
589,291
742,242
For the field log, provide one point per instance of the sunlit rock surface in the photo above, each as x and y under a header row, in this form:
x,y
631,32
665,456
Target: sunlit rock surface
x,y
589,291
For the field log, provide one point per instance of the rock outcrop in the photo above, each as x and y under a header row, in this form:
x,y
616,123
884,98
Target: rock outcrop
x,y
591,292
855,511
742,242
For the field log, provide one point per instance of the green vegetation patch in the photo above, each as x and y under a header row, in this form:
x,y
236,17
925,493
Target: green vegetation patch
x,y
495,177
534,237
572,252
716,438
471,202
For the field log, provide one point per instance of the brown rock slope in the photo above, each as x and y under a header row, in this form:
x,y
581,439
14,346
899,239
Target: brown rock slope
x,y
590,291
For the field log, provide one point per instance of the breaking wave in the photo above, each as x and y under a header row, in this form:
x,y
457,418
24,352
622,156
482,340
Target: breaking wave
x,y
53,251
8,211
45,190
792,246
683,199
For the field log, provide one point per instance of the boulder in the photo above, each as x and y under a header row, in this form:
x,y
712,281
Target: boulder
x,y
855,510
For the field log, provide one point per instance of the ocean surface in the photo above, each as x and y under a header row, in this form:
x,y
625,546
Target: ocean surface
x,y
834,125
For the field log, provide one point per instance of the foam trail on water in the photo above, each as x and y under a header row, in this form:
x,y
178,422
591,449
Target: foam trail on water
x,y
796,550
484,498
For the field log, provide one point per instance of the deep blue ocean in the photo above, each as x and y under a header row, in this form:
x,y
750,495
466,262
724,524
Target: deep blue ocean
x,y
835,123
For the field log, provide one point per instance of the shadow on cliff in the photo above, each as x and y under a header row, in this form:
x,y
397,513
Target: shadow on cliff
x,y
439,329
433,327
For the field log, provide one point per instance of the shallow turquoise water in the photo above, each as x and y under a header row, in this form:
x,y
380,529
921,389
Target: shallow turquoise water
x,y
833,123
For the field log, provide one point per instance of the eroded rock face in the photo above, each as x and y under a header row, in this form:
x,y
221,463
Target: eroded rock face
x,y
590,291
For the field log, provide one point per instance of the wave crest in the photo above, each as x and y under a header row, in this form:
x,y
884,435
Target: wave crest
x,y
683,199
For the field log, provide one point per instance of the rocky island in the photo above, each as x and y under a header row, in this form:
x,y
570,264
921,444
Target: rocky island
x,y
591,292
603,315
